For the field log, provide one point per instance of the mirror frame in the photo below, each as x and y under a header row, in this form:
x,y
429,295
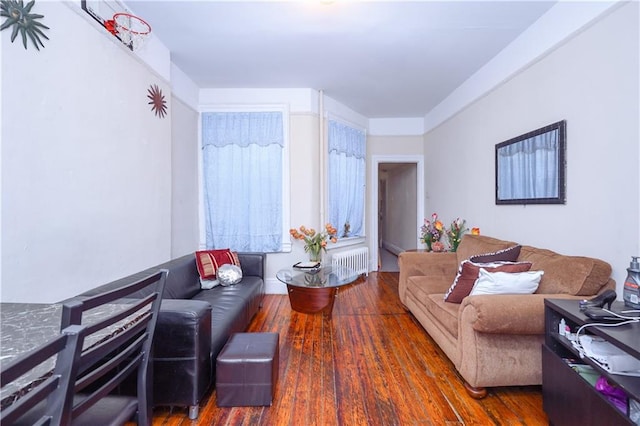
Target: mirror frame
x,y
562,142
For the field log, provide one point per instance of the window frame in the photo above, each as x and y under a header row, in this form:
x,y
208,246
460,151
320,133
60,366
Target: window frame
x,y
360,239
286,172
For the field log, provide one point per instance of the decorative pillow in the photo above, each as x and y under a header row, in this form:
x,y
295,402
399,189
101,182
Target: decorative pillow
x,y
507,255
208,261
468,274
208,284
506,283
229,274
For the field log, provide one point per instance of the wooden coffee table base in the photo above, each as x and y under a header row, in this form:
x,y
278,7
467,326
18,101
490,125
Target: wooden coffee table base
x,y
311,300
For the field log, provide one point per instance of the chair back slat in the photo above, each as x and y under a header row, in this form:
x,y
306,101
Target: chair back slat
x,y
119,361
110,343
124,291
90,399
56,389
123,345
133,309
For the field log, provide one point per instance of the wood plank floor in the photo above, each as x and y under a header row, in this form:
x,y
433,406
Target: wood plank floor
x,y
370,364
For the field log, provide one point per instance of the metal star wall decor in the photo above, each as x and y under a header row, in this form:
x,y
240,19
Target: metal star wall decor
x,y
23,21
158,104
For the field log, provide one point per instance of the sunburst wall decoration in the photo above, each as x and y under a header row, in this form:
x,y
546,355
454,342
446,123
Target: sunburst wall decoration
x,y
158,104
23,21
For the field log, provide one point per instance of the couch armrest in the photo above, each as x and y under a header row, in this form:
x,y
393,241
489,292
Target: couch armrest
x,y
180,330
182,352
253,263
442,265
507,313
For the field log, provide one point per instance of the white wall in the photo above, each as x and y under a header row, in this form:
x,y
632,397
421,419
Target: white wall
x,y
592,82
86,181
185,234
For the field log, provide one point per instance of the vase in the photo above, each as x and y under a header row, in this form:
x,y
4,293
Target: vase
x,y
427,241
315,253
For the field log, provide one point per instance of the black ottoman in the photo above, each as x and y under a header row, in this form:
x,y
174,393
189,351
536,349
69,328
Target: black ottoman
x,y
247,370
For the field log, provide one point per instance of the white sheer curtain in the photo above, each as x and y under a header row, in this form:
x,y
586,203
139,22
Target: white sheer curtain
x,y
242,173
346,177
529,169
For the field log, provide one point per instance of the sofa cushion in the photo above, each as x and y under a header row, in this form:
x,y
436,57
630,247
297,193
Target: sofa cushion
x,y
428,294
447,313
233,308
468,274
506,282
473,245
209,261
182,281
576,275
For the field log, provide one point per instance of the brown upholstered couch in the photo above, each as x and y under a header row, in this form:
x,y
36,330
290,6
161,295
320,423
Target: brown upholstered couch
x,y
493,340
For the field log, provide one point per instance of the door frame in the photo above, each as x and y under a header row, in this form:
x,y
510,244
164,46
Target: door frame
x,y
418,160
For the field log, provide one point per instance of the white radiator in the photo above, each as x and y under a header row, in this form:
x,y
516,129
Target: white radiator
x,y
356,259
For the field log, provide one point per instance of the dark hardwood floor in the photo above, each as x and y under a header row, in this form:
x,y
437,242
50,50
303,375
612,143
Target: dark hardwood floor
x,y
370,364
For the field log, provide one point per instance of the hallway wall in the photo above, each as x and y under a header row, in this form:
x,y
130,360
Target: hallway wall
x,y
399,218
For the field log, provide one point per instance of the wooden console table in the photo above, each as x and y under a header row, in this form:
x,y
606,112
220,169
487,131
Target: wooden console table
x,y
568,399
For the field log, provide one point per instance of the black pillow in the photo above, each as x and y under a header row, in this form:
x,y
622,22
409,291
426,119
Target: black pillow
x,y
506,255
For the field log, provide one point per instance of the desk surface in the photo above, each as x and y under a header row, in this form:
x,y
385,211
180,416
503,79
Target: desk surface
x,y
24,326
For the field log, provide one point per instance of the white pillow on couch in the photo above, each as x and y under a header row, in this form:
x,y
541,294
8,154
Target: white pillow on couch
x,y
506,282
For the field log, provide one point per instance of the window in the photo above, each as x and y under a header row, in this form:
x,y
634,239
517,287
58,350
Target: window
x,y
346,179
243,161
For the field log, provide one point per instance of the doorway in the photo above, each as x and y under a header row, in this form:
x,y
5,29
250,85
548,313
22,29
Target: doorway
x,y
397,208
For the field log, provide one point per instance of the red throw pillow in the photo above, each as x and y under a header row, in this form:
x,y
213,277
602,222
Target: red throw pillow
x,y
468,274
209,261
507,255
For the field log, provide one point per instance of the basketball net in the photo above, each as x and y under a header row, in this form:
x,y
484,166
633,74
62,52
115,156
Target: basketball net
x,y
131,30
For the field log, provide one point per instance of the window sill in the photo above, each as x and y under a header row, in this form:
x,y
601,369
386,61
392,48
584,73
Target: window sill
x,y
346,242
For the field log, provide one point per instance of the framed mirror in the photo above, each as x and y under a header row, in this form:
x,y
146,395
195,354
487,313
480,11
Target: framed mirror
x,y
530,168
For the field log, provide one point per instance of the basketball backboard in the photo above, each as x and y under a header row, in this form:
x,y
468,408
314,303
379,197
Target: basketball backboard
x,y
103,10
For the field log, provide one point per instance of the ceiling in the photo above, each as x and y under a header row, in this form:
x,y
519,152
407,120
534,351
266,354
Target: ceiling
x,y
382,59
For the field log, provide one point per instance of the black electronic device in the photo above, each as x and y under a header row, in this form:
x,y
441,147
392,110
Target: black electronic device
x,y
599,314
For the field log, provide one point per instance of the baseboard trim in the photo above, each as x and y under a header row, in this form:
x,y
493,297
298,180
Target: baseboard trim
x,y
392,248
274,286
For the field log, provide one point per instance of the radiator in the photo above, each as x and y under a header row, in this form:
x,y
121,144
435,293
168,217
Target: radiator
x,y
356,259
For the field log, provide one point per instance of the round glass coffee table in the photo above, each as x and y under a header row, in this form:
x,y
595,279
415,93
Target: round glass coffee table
x,y
313,291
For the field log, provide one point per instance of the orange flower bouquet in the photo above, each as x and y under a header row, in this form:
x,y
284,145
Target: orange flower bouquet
x,y
315,242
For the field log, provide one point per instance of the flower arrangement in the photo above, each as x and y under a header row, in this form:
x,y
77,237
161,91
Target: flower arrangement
x,y
431,231
315,242
454,233
438,247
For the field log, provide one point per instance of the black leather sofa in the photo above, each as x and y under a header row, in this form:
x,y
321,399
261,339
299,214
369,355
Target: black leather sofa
x,y
194,324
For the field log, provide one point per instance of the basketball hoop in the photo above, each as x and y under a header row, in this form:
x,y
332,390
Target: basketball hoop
x,y
131,30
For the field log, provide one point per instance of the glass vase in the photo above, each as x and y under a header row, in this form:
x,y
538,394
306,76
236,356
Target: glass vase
x,y
315,252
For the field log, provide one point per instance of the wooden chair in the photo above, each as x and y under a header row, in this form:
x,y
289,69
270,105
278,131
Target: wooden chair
x,y
53,394
125,350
